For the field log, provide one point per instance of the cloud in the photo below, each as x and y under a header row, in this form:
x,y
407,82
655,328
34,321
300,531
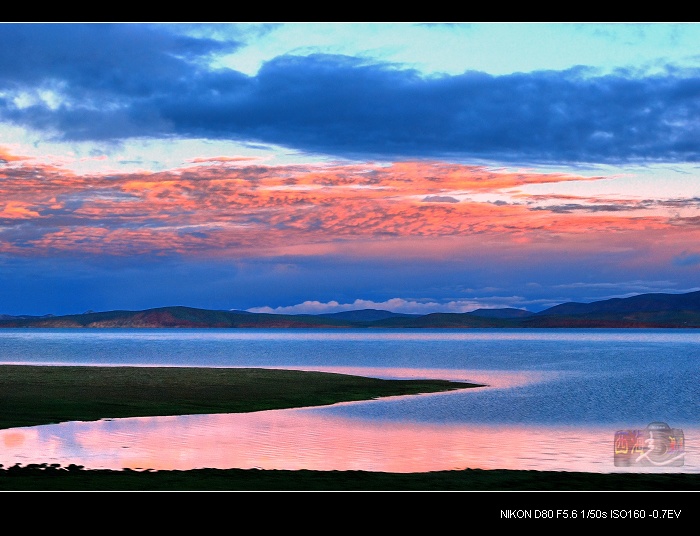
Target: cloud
x,y
14,210
577,207
687,258
102,59
439,199
233,206
112,82
222,159
396,305
638,286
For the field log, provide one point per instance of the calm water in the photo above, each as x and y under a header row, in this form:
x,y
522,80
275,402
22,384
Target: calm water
x,y
554,399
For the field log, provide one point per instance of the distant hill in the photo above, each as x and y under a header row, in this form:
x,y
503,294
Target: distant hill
x,y
11,317
174,317
507,312
642,303
641,311
436,320
366,315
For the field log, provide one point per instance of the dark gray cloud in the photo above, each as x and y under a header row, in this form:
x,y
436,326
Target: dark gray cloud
x,y
88,60
568,208
120,81
440,199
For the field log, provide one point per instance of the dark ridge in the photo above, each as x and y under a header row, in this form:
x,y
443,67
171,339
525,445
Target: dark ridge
x,y
635,304
506,312
366,315
444,320
642,311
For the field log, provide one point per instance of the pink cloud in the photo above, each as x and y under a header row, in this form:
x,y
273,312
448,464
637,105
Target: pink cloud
x,y
253,209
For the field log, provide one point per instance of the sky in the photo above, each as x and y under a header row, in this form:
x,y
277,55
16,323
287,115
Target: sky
x,y
320,167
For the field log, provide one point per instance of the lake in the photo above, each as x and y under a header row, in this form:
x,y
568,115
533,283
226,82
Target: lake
x,y
554,400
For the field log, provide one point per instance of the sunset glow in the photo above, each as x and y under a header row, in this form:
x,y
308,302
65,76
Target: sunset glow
x,y
241,166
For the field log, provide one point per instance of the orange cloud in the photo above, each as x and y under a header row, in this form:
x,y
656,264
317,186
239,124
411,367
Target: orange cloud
x,y
6,155
16,210
216,209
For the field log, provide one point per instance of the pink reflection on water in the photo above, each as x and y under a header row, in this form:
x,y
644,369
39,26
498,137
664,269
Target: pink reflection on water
x,y
309,439
303,439
492,378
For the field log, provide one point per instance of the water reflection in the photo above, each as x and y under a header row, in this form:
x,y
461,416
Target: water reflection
x,y
553,393
494,379
309,439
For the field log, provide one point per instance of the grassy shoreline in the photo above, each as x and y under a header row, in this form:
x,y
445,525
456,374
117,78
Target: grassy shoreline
x,y
38,478
34,395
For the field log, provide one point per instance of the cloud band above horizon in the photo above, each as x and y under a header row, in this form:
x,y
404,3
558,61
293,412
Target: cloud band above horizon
x,y
284,167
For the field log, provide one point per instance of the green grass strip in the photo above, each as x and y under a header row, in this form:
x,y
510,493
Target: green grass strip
x,y
34,395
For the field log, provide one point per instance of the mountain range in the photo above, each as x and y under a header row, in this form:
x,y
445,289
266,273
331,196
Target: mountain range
x,y
655,310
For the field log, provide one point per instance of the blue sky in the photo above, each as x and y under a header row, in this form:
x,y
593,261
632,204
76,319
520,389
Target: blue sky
x,y
327,166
